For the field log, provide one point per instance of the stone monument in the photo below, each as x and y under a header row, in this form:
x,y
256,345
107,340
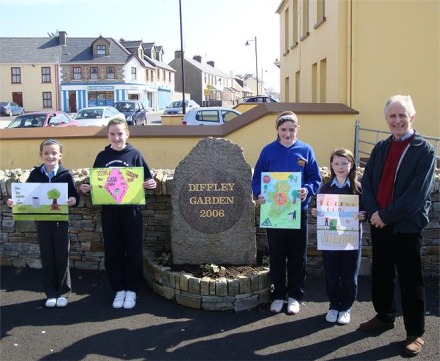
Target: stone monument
x,y
213,218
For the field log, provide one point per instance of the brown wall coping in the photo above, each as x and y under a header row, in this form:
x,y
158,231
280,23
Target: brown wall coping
x,y
180,131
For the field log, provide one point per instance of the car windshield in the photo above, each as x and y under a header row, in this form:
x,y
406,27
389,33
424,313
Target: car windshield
x,y
28,121
125,106
89,114
177,104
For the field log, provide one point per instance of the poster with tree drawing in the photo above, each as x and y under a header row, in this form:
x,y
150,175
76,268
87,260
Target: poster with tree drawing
x,y
40,201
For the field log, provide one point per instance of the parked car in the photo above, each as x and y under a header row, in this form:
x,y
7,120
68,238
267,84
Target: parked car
x,y
43,119
133,110
260,99
209,116
11,108
97,116
177,107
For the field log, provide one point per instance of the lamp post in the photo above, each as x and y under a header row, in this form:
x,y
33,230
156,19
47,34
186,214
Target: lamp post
x,y
256,58
182,59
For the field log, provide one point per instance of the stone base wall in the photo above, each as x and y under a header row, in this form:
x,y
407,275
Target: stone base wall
x,y
19,248
219,294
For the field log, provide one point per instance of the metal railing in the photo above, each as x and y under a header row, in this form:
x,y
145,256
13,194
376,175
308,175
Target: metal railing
x,y
366,139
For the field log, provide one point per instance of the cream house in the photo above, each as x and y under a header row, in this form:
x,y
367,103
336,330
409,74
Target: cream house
x,y
359,53
29,72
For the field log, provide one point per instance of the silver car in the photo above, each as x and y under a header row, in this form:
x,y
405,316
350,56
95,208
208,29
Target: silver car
x,y
97,116
177,107
209,116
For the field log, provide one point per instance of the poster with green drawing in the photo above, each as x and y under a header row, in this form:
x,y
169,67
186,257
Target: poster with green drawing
x,y
40,201
117,185
337,222
282,208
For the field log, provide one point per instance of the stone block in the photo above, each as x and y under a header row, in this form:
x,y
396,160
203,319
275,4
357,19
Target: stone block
x,y
184,280
214,303
233,287
194,285
164,291
189,300
245,284
243,304
204,286
221,286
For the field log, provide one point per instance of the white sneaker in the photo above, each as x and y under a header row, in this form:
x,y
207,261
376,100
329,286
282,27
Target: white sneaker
x,y
62,302
130,300
332,316
51,302
277,306
344,317
119,299
292,306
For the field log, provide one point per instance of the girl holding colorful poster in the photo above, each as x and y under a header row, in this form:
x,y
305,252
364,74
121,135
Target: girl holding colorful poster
x,y
122,223
288,247
53,236
341,267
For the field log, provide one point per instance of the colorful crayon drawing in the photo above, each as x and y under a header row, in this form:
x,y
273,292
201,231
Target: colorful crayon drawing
x,y
117,185
282,208
337,222
40,201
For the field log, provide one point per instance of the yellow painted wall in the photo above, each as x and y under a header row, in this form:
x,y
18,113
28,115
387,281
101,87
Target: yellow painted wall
x,y
374,49
398,55
165,152
33,89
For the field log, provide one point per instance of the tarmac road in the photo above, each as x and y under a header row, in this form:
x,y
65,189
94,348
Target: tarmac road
x,y
159,329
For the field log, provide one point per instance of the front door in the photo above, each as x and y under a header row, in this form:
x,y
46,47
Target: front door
x,y
18,98
72,102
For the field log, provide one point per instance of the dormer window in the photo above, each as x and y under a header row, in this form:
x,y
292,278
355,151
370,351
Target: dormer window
x,y
100,50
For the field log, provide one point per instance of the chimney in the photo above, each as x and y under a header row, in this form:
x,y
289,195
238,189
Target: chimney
x,y
197,58
62,36
211,62
177,54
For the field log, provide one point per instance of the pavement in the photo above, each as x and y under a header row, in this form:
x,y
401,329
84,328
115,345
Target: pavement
x,y
159,329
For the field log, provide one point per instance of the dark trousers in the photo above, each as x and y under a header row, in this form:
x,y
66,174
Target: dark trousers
x,y
341,277
122,231
53,238
397,254
288,259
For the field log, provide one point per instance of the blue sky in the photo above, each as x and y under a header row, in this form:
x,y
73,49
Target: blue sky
x,y
215,29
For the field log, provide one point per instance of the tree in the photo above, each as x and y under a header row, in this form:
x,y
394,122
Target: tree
x,y
54,194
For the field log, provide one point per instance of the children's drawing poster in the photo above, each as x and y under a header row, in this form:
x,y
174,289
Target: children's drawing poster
x,y
337,222
282,208
117,185
40,201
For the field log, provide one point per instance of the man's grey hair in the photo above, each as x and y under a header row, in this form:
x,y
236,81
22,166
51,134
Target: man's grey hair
x,y
405,100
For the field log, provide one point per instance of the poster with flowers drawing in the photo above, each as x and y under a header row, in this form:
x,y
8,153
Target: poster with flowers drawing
x,y
282,208
117,185
337,222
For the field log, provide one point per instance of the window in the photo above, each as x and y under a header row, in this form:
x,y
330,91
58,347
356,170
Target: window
x,y
110,72
100,50
133,73
295,24
322,81
45,74
305,19
47,100
16,75
320,13
77,73
93,72
286,31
